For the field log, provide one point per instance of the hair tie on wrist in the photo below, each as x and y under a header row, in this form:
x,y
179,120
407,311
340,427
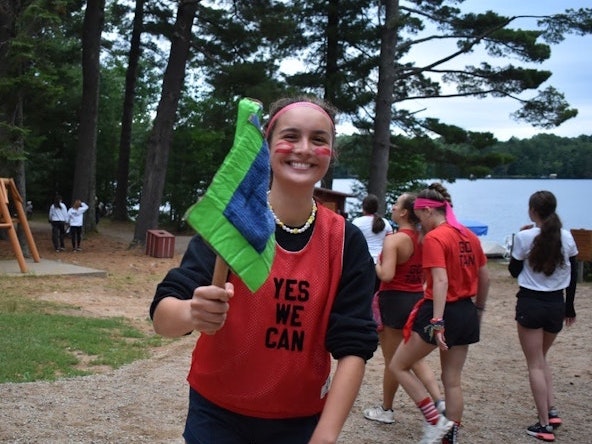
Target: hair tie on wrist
x,y
437,322
436,326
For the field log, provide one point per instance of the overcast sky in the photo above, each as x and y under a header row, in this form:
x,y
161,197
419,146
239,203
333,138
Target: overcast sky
x,y
570,63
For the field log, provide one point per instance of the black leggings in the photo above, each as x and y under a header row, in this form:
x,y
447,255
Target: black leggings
x,y
76,233
58,231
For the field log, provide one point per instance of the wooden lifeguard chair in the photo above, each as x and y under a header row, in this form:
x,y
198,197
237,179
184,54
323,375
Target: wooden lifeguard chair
x,y
583,240
9,193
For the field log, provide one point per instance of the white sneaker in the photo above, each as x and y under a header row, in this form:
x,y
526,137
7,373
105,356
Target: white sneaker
x,y
441,406
379,414
433,434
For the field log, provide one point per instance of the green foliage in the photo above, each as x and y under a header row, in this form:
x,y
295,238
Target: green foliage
x,y
196,155
239,48
41,75
544,154
340,42
549,109
407,162
572,21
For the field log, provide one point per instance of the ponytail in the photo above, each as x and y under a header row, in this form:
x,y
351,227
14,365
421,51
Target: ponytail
x,y
377,224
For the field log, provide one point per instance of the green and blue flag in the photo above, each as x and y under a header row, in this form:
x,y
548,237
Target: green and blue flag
x,y
233,216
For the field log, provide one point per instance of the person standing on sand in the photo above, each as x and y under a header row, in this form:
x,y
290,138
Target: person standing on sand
x,y
543,259
401,287
58,217
449,315
75,220
29,209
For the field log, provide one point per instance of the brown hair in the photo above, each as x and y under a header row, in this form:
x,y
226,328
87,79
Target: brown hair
x,y
408,201
370,207
545,254
436,191
278,105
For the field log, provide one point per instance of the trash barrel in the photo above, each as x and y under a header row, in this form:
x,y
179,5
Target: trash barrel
x,y
160,243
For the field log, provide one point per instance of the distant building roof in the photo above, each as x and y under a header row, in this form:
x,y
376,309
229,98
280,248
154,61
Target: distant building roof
x,y
335,200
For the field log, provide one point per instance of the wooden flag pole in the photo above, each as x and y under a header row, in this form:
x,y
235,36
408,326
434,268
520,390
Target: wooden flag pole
x,y
220,272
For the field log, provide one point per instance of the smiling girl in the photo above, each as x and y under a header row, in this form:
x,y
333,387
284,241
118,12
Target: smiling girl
x,y
261,369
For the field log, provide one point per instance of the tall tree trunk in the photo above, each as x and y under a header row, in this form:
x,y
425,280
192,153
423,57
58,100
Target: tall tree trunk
x,y
131,76
159,143
84,187
331,69
384,101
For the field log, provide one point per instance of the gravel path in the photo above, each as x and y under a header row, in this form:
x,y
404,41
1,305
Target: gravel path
x,y
146,401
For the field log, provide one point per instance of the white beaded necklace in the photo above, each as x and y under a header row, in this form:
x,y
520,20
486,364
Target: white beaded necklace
x,y
303,228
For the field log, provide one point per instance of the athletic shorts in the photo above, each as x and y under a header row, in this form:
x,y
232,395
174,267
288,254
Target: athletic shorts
x,y
540,309
208,423
395,306
461,322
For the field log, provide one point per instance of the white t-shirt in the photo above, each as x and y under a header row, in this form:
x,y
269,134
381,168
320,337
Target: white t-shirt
x,y
58,214
539,281
374,240
75,216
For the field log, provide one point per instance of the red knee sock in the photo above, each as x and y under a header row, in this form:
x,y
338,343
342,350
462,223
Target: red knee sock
x,y
429,411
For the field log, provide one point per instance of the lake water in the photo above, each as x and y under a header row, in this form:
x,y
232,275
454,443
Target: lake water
x,y
502,204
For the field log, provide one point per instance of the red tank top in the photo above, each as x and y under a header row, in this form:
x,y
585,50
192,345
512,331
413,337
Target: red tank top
x,y
270,360
408,275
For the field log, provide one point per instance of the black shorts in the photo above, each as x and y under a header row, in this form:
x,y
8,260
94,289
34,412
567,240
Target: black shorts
x,y
540,309
395,306
461,322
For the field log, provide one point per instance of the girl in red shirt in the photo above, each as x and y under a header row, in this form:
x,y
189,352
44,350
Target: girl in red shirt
x,y
399,269
448,317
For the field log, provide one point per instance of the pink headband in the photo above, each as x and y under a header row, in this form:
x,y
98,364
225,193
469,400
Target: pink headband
x,y
421,202
292,106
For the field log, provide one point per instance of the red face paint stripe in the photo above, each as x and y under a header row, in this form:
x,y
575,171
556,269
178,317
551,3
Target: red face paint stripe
x,y
322,151
284,147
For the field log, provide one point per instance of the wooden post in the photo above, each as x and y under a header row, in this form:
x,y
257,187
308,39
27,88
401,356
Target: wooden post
x,y
8,190
583,240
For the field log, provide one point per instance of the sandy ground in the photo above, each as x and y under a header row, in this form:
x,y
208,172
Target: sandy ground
x,y
146,401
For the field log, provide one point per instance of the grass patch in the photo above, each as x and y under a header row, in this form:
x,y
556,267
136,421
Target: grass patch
x,y
39,343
